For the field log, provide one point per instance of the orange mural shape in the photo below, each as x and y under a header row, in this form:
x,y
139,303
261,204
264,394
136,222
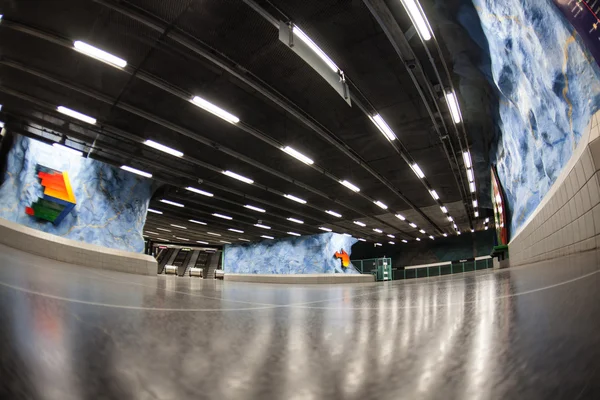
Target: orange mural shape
x,y
344,257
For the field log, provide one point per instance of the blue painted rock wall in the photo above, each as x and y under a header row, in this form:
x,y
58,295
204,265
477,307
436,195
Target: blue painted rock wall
x,y
111,203
548,87
294,255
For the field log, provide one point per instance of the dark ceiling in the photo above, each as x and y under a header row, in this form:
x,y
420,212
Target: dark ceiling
x,y
229,52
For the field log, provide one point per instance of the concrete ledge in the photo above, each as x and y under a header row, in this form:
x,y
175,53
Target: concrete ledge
x,y
70,251
300,278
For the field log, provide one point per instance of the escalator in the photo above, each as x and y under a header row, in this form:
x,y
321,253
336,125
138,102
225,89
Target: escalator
x,y
168,260
163,258
213,263
190,261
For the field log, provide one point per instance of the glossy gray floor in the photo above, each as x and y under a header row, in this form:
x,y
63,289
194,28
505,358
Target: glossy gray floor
x,y
68,332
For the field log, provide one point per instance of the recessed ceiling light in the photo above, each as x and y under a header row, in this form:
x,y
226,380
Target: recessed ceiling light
x,y
418,240
444,234
380,204
404,241
211,108
360,223
453,104
222,216
487,220
154,211
467,159
475,204
324,229
163,148
76,115
330,212
294,234
470,175
422,231
98,54
136,171
235,230
67,149
400,217
267,237
172,203
418,18
444,209
383,127
238,177
297,155
262,226
391,242
350,186
431,237
450,218
250,207
417,170
178,226
197,222
202,192
298,221
472,187
476,213
472,230
294,198
316,49
434,194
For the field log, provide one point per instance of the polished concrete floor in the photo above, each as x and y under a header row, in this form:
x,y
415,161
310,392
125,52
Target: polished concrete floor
x,y
68,332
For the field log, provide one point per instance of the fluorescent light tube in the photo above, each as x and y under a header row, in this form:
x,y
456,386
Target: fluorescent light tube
x,y
235,230
444,209
297,155
98,54
455,226
431,237
360,223
454,109
418,18
475,203
444,234
392,236
262,226
350,186
417,170
400,217
487,220
486,228
238,177
377,230
472,187
304,37
152,233
347,234
184,239
222,216
201,242
213,234
224,241
243,240
248,206
267,237
294,234
418,240
422,231
76,115
163,240
450,218
178,226
380,204
211,108
172,203
361,240
163,229
404,241
298,221
67,149
470,175
476,214
330,212
413,224
467,159
163,148
377,244
294,198
434,194
472,230
136,171
391,243
202,192
197,222
383,127
324,229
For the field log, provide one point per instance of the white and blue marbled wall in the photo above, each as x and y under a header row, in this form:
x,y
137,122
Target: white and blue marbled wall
x,y
293,255
111,203
548,87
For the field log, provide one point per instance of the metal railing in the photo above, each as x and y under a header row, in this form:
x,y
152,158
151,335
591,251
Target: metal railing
x,y
443,269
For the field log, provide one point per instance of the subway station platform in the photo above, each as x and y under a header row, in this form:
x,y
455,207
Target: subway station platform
x,y
70,332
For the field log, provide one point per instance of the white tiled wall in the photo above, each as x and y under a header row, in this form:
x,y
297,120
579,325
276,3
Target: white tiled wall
x,y
568,219
73,252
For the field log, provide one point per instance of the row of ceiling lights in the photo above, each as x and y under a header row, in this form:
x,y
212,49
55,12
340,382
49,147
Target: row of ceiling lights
x,y
217,111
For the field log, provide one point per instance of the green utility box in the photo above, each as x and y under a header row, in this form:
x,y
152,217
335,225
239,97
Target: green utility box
x,y
381,268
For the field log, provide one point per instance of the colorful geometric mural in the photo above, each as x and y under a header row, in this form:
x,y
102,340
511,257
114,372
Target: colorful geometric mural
x,y
58,198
